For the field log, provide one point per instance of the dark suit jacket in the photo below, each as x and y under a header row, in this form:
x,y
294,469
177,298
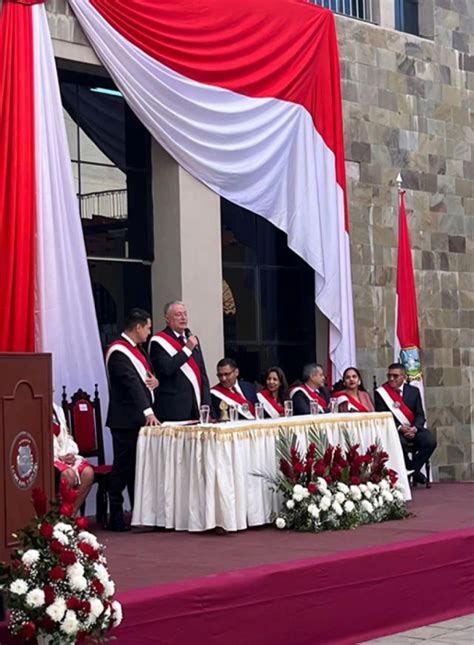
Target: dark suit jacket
x,y
301,401
412,399
175,399
248,390
129,395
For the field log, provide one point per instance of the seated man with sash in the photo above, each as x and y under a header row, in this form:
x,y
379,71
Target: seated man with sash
x,y
230,392
310,389
178,362
404,402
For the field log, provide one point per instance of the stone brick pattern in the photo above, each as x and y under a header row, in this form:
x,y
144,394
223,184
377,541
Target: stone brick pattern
x,y
409,107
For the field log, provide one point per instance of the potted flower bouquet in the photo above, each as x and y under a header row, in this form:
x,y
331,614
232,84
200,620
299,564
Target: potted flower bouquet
x,y
57,584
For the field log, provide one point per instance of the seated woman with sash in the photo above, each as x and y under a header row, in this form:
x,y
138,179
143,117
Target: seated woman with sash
x,y
350,393
72,467
274,395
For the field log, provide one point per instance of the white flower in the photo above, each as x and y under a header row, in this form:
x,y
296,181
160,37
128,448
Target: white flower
x,y
57,609
91,539
328,494
298,497
337,508
367,506
343,488
30,557
35,597
322,484
313,510
376,502
70,624
118,614
109,587
62,526
102,573
368,493
75,569
340,498
387,495
380,500
355,492
398,495
325,503
306,493
362,488
61,537
18,586
384,485
96,607
370,486
298,489
349,506
290,504
280,523
77,583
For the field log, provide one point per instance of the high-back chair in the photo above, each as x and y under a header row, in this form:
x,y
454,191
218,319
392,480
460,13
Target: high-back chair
x,y
84,419
410,447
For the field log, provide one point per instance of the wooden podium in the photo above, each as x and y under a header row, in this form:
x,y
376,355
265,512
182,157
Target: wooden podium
x,y
25,439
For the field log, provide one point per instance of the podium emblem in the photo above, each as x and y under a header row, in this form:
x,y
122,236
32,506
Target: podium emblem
x,y
24,460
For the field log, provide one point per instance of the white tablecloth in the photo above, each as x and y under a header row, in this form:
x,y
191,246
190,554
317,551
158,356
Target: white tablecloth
x,y
194,478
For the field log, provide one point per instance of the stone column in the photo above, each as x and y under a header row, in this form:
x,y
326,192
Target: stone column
x,y
187,243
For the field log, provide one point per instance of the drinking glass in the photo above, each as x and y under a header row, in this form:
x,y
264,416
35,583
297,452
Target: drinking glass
x,y
259,411
204,414
332,406
288,408
313,407
233,413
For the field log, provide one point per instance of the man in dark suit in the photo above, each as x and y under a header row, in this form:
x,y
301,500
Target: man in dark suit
x,y
178,362
404,402
312,388
230,391
131,384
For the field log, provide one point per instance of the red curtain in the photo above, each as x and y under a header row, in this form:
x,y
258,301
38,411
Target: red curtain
x,y
17,180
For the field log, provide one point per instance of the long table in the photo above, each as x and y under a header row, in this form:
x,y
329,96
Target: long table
x,y
196,478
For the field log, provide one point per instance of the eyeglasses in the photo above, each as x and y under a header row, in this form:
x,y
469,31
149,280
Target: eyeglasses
x,y
394,376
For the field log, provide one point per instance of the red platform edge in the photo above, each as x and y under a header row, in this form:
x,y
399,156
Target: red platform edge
x,y
339,599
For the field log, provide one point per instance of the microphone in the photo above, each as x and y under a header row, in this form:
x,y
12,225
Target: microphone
x,y
187,333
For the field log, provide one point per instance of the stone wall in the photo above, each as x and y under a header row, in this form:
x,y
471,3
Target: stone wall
x,y
409,107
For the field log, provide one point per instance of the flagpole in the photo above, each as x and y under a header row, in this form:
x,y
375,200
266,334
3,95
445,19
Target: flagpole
x,y
396,344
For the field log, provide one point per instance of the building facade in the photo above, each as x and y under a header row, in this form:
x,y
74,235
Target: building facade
x,y
409,108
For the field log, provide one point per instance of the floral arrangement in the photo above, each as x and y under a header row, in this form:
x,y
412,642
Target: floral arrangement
x,y
58,586
329,488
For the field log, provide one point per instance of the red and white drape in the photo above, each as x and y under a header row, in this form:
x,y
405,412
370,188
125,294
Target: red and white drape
x,y
245,95
46,301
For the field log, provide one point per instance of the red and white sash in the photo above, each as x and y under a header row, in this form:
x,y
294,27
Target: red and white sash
x,y
352,402
311,395
246,408
135,356
190,369
271,407
396,405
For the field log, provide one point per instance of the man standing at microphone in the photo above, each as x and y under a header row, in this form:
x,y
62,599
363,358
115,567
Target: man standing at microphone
x,y
179,365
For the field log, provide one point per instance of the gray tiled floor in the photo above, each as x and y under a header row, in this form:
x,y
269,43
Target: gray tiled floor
x,y
456,631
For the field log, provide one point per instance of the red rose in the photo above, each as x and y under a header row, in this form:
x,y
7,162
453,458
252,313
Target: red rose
x,y
47,622
67,557
319,468
328,455
56,547
74,603
86,606
82,523
66,509
46,530
376,479
66,493
98,587
40,501
328,479
57,573
28,630
355,481
88,550
336,472
312,488
49,594
299,468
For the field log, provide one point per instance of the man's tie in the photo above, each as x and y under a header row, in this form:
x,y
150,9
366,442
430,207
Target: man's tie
x,y
182,340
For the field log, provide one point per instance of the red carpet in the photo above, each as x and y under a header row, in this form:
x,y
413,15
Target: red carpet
x,y
266,586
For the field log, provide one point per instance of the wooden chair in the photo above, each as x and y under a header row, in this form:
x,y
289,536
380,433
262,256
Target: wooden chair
x,y
84,419
410,448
